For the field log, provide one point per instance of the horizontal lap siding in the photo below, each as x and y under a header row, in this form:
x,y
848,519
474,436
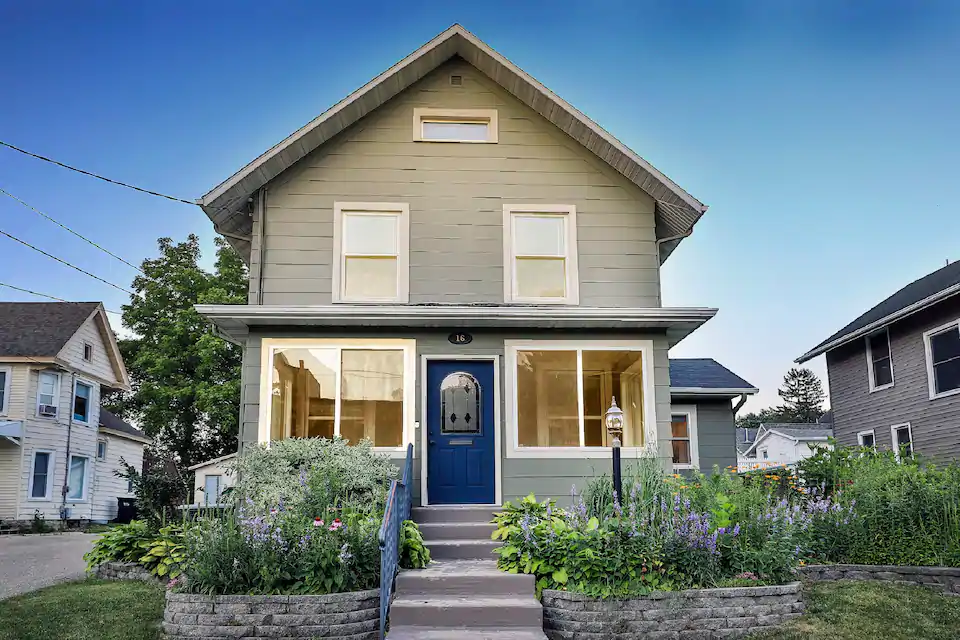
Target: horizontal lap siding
x,y
9,479
716,435
107,485
99,365
456,194
545,477
935,423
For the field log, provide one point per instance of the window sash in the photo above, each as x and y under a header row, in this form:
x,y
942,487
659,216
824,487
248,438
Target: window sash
x,y
51,381
4,379
81,402
454,130
352,253
78,478
101,449
560,249
44,476
944,362
880,357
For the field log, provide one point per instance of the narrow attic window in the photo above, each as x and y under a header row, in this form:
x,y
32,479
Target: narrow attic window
x,y
455,125
87,351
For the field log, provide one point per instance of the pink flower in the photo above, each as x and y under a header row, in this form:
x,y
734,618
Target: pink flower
x,y
317,522
336,524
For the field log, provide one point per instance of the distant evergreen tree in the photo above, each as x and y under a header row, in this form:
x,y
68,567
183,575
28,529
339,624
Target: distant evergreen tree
x,y
803,396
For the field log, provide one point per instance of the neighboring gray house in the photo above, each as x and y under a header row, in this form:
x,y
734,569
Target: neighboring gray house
x,y
56,451
454,257
895,371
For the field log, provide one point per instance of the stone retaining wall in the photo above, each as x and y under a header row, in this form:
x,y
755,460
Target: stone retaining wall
x,y
700,614
124,571
354,616
945,580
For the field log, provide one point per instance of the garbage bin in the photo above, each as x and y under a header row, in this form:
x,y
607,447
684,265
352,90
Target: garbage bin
x,y
126,510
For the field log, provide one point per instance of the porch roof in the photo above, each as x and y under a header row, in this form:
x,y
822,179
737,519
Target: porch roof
x,y
234,321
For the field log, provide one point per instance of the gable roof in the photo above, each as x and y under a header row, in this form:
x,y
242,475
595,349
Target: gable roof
x,y
40,329
797,432
110,422
745,438
227,203
706,375
916,296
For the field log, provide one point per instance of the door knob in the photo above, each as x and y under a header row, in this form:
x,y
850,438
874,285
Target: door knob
x,y
433,442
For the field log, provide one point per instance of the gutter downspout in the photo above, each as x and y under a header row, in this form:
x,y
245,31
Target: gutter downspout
x,y
66,464
739,405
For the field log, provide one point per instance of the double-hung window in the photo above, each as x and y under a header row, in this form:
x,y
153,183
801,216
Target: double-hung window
x,y
943,359
82,397
540,254
455,125
41,475
101,449
879,361
558,393
48,393
683,437
5,375
371,247
77,478
867,439
902,440
354,389
212,489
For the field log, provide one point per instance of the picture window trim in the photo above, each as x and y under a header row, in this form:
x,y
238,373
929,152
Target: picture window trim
x,y
465,116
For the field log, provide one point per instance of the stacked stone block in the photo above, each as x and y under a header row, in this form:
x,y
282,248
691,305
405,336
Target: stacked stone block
x,y
124,571
945,580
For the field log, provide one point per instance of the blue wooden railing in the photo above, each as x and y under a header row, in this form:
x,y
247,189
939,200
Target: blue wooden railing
x,y
397,510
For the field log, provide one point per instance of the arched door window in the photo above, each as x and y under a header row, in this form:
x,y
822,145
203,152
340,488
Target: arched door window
x,y
460,404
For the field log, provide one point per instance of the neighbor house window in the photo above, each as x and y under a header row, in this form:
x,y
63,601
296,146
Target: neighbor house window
x,y
371,242
82,396
87,351
5,376
540,254
765,454
867,439
48,393
902,440
77,478
101,449
355,390
880,361
41,475
211,489
943,359
559,393
455,125
683,437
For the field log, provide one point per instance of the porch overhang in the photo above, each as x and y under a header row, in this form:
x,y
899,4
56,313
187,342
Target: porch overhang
x,y
234,322
12,431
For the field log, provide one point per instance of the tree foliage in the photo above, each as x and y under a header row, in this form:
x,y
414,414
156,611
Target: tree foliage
x,y
803,396
185,379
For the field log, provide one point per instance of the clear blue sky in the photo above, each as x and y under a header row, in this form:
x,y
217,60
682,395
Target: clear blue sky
x,y
823,134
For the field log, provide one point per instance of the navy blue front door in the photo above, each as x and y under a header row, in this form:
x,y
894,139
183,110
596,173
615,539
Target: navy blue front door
x,y
460,442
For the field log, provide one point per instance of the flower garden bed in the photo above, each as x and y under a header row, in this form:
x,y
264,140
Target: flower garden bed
x,y
354,615
945,580
671,615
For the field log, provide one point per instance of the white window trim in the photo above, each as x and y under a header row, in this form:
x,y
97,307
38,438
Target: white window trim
x,y
421,114
206,499
690,411
402,211
85,496
569,212
764,454
90,401
56,395
928,354
105,446
871,374
645,347
893,439
860,435
83,352
51,468
5,404
409,348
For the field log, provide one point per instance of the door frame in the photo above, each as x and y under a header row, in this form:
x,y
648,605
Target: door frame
x,y
497,431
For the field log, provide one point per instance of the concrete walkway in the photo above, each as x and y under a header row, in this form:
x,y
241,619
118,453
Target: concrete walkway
x,y
35,561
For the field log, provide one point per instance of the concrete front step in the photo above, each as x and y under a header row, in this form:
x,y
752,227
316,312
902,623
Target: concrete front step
x,y
462,549
469,612
456,530
464,578
454,513
453,633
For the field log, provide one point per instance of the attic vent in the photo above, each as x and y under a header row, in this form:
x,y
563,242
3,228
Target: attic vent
x,y
456,81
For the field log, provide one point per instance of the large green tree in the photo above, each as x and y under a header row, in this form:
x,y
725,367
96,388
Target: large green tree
x,y
185,379
803,396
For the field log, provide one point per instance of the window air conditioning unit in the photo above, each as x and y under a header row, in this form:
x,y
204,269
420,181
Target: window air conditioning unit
x,y
48,410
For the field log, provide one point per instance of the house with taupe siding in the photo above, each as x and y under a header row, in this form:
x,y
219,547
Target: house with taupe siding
x,y
894,371
454,257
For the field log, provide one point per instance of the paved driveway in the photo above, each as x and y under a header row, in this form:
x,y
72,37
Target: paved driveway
x,y
31,562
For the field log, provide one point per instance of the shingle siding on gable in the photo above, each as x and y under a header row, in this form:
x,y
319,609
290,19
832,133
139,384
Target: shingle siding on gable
x,y
456,192
936,423
99,365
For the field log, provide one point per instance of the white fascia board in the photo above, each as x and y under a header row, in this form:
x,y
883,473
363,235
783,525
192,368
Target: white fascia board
x,y
707,391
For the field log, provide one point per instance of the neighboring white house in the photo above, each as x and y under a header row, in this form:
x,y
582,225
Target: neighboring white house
x,y
55,357
780,445
118,442
211,478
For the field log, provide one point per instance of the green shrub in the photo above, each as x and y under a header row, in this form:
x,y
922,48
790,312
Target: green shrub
x,y
158,492
164,553
413,553
122,543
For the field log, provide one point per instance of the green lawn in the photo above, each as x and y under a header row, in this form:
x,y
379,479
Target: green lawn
x,y
872,611
86,610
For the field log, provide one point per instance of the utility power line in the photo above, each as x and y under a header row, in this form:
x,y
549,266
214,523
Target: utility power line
x,y
64,262
63,226
47,295
96,175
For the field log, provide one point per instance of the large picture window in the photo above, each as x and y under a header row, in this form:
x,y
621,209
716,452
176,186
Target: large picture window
x,y
560,392
357,391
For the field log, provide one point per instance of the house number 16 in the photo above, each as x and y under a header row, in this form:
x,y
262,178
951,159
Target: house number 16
x,y
460,338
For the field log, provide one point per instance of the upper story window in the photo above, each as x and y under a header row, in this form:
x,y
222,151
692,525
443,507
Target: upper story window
x,y
455,125
101,449
87,352
82,397
943,359
371,246
879,361
540,254
5,375
48,393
